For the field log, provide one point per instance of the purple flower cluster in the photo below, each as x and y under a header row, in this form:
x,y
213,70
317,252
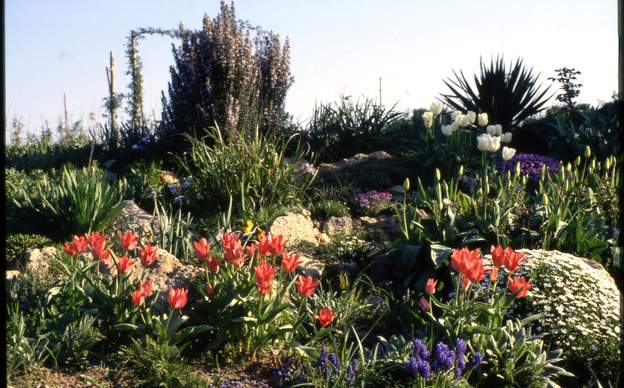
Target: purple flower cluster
x,y
282,376
444,359
530,165
327,360
372,199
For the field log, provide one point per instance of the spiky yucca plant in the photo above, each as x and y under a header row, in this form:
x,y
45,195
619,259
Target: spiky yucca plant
x,y
507,95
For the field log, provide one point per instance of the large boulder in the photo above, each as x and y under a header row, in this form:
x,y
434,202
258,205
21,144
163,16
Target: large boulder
x,y
580,306
132,217
296,228
38,260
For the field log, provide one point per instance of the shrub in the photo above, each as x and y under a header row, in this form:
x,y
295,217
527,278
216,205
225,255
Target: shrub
x,y
219,78
17,244
83,200
250,171
330,208
346,128
508,96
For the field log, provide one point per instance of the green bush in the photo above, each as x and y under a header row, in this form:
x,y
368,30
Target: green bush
x,y
250,171
83,200
17,244
330,208
72,346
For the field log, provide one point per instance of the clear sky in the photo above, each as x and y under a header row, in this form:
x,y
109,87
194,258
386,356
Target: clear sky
x,y
337,47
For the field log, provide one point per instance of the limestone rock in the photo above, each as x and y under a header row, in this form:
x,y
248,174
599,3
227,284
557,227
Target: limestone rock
x,y
338,224
134,218
310,267
295,228
38,260
10,274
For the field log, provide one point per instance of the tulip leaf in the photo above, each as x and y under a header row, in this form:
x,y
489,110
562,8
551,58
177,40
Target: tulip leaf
x,y
244,319
439,253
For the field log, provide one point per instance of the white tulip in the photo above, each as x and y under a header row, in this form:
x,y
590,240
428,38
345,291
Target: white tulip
x,y
487,142
471,117
455,114
491,130
508,153
483,119
499,129
436,108
506,137
428,119
447,130
460,121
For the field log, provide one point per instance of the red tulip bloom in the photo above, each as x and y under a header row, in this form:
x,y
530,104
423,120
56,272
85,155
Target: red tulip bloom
x,y
76,246
70,249
148,254
129,240
264,277
251,249
494,274
202,249
146,287
468,263
277,245
233,249
306,285
430,287
177,298
213,264
519,286
290,261
96,239
424,305
498,255
102,253
325,317
124,264
138,298
513,259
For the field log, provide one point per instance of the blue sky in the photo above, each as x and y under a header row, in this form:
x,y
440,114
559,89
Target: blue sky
x,y
338,47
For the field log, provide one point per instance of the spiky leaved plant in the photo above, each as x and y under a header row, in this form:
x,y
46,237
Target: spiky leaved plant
x,y
507,95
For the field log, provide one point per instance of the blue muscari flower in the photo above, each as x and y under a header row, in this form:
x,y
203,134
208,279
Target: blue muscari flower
x,y
321,362
412,366
333,358
460,351
475,361
173,189
351,370
179,198
420,349
444,357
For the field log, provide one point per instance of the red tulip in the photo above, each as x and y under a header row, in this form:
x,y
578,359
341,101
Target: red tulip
x,y
232,249
430,286
325,317
498,256
177,298
146,287
513,259
277,245
96,239
306,285
264,277
519,286
70,249
494,274
102,253
129,240
202,249
213,264
468,263
290,261
138,298
250,249
424,305
76,246
148,254
209,289
124,264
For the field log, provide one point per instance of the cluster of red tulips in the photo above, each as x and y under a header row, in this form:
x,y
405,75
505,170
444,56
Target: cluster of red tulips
x,y
98,245
267,246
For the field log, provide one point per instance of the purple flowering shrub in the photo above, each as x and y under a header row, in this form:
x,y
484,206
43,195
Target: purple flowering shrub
x,y
372,202
530,165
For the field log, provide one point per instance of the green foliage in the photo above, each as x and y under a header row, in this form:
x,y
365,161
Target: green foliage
x,y
175,233
23,353
17,244
508,96
343,129
330,208
71,347
251,171
152,364
222,78
83,200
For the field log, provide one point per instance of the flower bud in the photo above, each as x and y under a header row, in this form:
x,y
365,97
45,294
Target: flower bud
x,y
592,166
577,161
406,184
569,167
517,172
438,175
545,199
461,170
482,119
587,151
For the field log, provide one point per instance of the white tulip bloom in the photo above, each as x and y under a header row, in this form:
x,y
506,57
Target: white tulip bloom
x,y
506,137
488,143
483,119
455,114
491,130
428,119
499,129
436,108
447,130
508,153
460,121
471,117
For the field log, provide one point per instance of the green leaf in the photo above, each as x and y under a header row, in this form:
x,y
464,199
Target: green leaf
x,y
439,253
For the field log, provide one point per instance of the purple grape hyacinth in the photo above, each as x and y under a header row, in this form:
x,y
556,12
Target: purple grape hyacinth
x,y
444,358
371,199
530,165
